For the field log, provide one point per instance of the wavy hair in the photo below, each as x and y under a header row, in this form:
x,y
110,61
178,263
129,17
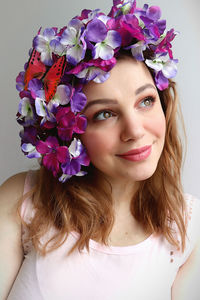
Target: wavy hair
x,y
85,205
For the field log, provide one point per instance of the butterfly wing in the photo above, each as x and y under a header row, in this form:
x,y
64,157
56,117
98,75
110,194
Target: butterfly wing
x,y
53,76
35,69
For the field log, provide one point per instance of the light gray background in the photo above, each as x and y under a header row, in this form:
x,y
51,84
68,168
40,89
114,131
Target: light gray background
x,y
19,22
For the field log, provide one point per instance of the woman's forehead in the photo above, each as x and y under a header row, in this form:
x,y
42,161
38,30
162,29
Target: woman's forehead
x,y
127,76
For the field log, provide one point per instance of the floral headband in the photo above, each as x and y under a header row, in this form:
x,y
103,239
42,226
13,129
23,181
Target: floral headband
x,y
62,61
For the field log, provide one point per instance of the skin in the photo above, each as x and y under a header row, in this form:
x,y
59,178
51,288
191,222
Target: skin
x,y
128,119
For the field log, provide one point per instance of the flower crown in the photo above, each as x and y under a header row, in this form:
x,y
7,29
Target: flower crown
x,y
62,61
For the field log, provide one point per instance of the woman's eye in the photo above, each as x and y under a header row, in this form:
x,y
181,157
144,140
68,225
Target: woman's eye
x,y
147,102
103,115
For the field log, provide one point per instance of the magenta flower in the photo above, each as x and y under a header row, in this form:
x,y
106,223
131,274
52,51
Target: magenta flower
x,y
69,123
165,45
53,154
128,27
121,7
95,69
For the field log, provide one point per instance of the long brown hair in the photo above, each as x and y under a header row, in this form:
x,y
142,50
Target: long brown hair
x,y
85,205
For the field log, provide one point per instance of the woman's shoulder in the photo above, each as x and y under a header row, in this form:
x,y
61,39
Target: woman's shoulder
x,y
12,189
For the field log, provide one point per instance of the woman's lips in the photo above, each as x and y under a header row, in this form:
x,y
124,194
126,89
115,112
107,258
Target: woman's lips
x,y
137,154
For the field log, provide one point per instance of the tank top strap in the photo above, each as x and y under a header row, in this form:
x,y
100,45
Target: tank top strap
x,y
27,210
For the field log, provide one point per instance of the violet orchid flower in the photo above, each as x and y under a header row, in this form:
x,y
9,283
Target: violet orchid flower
x,y
78,157
73,41
53,154
42,44
69,123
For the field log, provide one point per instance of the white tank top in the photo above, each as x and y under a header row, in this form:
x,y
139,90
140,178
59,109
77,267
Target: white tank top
x,y
139,272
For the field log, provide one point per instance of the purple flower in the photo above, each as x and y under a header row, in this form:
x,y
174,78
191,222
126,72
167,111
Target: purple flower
x,y
42,44
128,28
20,81
88,15
164,69
27,114
105,49
43,111
30,150
68,123
137,50
67,93
35,86
121,7
53,154
73,41
161,81
95,69
78,157
56,46
96,31
150,16
29,135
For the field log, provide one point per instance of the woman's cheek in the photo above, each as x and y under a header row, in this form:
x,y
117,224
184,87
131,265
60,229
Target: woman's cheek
x,y
158,126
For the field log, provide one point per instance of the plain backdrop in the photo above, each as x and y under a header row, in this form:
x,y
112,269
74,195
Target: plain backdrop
x,y
19,23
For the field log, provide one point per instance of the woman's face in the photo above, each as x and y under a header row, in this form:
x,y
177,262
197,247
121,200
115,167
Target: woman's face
x,y
126,124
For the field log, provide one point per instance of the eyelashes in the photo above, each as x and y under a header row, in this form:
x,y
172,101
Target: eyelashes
x,y
105,114
149,101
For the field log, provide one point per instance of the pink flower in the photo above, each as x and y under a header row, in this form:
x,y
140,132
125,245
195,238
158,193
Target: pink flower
x,y
68,123
53,154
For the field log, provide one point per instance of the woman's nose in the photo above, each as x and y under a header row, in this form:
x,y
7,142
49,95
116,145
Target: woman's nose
x,y
132,127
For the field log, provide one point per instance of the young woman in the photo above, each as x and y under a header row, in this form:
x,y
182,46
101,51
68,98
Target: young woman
x,y
120,227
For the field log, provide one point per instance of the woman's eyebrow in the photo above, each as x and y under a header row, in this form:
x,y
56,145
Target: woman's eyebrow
x,y
100,101
144,87
112,101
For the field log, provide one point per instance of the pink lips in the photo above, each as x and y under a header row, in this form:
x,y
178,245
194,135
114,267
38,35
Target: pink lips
x,y
137,154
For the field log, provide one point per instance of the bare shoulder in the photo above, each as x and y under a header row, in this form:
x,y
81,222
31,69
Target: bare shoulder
x,y
11,190
186,284
10,193
11,252
14,184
